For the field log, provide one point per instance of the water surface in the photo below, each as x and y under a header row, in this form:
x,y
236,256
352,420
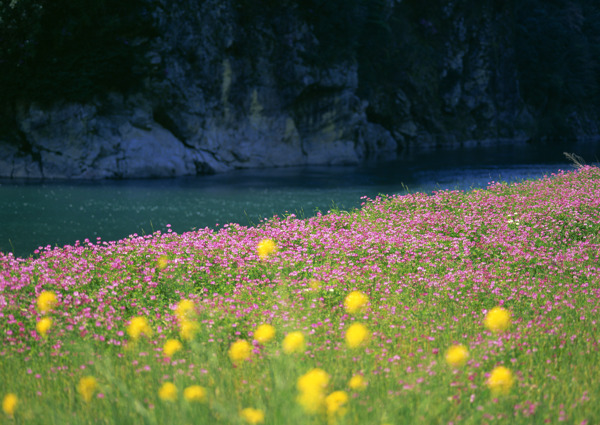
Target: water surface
x,y
56,213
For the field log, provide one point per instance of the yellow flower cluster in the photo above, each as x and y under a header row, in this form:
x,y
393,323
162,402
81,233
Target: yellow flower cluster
x,y
500,380
240,350
43,325
195,393
185,310
312,386
497,319
264,333
314,284
171,347
162,262
87,387
265,248
252,416
357,383
355,302
335,404
457,355
168,392
46,301
9,404
137,327
188,330
357,335
186,315
293,342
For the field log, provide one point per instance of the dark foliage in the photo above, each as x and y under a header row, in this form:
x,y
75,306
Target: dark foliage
x,y
557,46
70,49
76,49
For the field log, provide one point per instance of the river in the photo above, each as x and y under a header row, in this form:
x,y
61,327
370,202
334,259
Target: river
x,y
56,213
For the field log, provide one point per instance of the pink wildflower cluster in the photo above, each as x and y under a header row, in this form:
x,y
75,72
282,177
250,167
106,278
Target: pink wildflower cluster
x,y
431,265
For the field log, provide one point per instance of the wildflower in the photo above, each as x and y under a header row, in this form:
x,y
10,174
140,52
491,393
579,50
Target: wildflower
x,y
195,393
357,335
500,380
9,404
168,392
336,405
161,263
171,347
355,302
312,386
293,342
46,301
185,310
138,326
314,379
87,387
311,401
44,324
457,355
357,383
253,416
264,333
188,330
497,319
265,248
240,350
314,284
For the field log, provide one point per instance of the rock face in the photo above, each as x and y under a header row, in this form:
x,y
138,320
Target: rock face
x,y
225,95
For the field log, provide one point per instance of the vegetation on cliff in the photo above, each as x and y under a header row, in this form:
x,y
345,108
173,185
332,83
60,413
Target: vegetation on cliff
x,y
460,63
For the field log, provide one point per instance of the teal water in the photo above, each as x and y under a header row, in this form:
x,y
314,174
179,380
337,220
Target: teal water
x,y
40,213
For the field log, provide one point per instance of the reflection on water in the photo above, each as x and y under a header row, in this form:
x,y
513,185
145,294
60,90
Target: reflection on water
x,y
34,214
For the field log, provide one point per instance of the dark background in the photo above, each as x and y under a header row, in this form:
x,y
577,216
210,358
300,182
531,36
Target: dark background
x,y
545,53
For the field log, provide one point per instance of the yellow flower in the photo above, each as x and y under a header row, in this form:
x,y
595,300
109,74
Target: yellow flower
x,y
9,404
44,324
185,310
264,333
46,301
240,350
87,387
457,355
497,319
315,379
265,248
314,284
357,383
312,401
500,380
312,387
357,335
171,347
188,330
138,326
168,392
336,405
195,393
355,302
162,262
253,416
293,342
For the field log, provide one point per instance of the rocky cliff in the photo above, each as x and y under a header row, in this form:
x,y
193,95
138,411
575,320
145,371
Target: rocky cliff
x,y
236,84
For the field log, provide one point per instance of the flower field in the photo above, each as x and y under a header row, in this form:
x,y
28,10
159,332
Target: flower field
x,y
476,307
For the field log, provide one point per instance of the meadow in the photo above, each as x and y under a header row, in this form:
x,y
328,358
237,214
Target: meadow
x,y
454,307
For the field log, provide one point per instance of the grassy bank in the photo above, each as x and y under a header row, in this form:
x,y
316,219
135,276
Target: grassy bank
x,y
456,307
